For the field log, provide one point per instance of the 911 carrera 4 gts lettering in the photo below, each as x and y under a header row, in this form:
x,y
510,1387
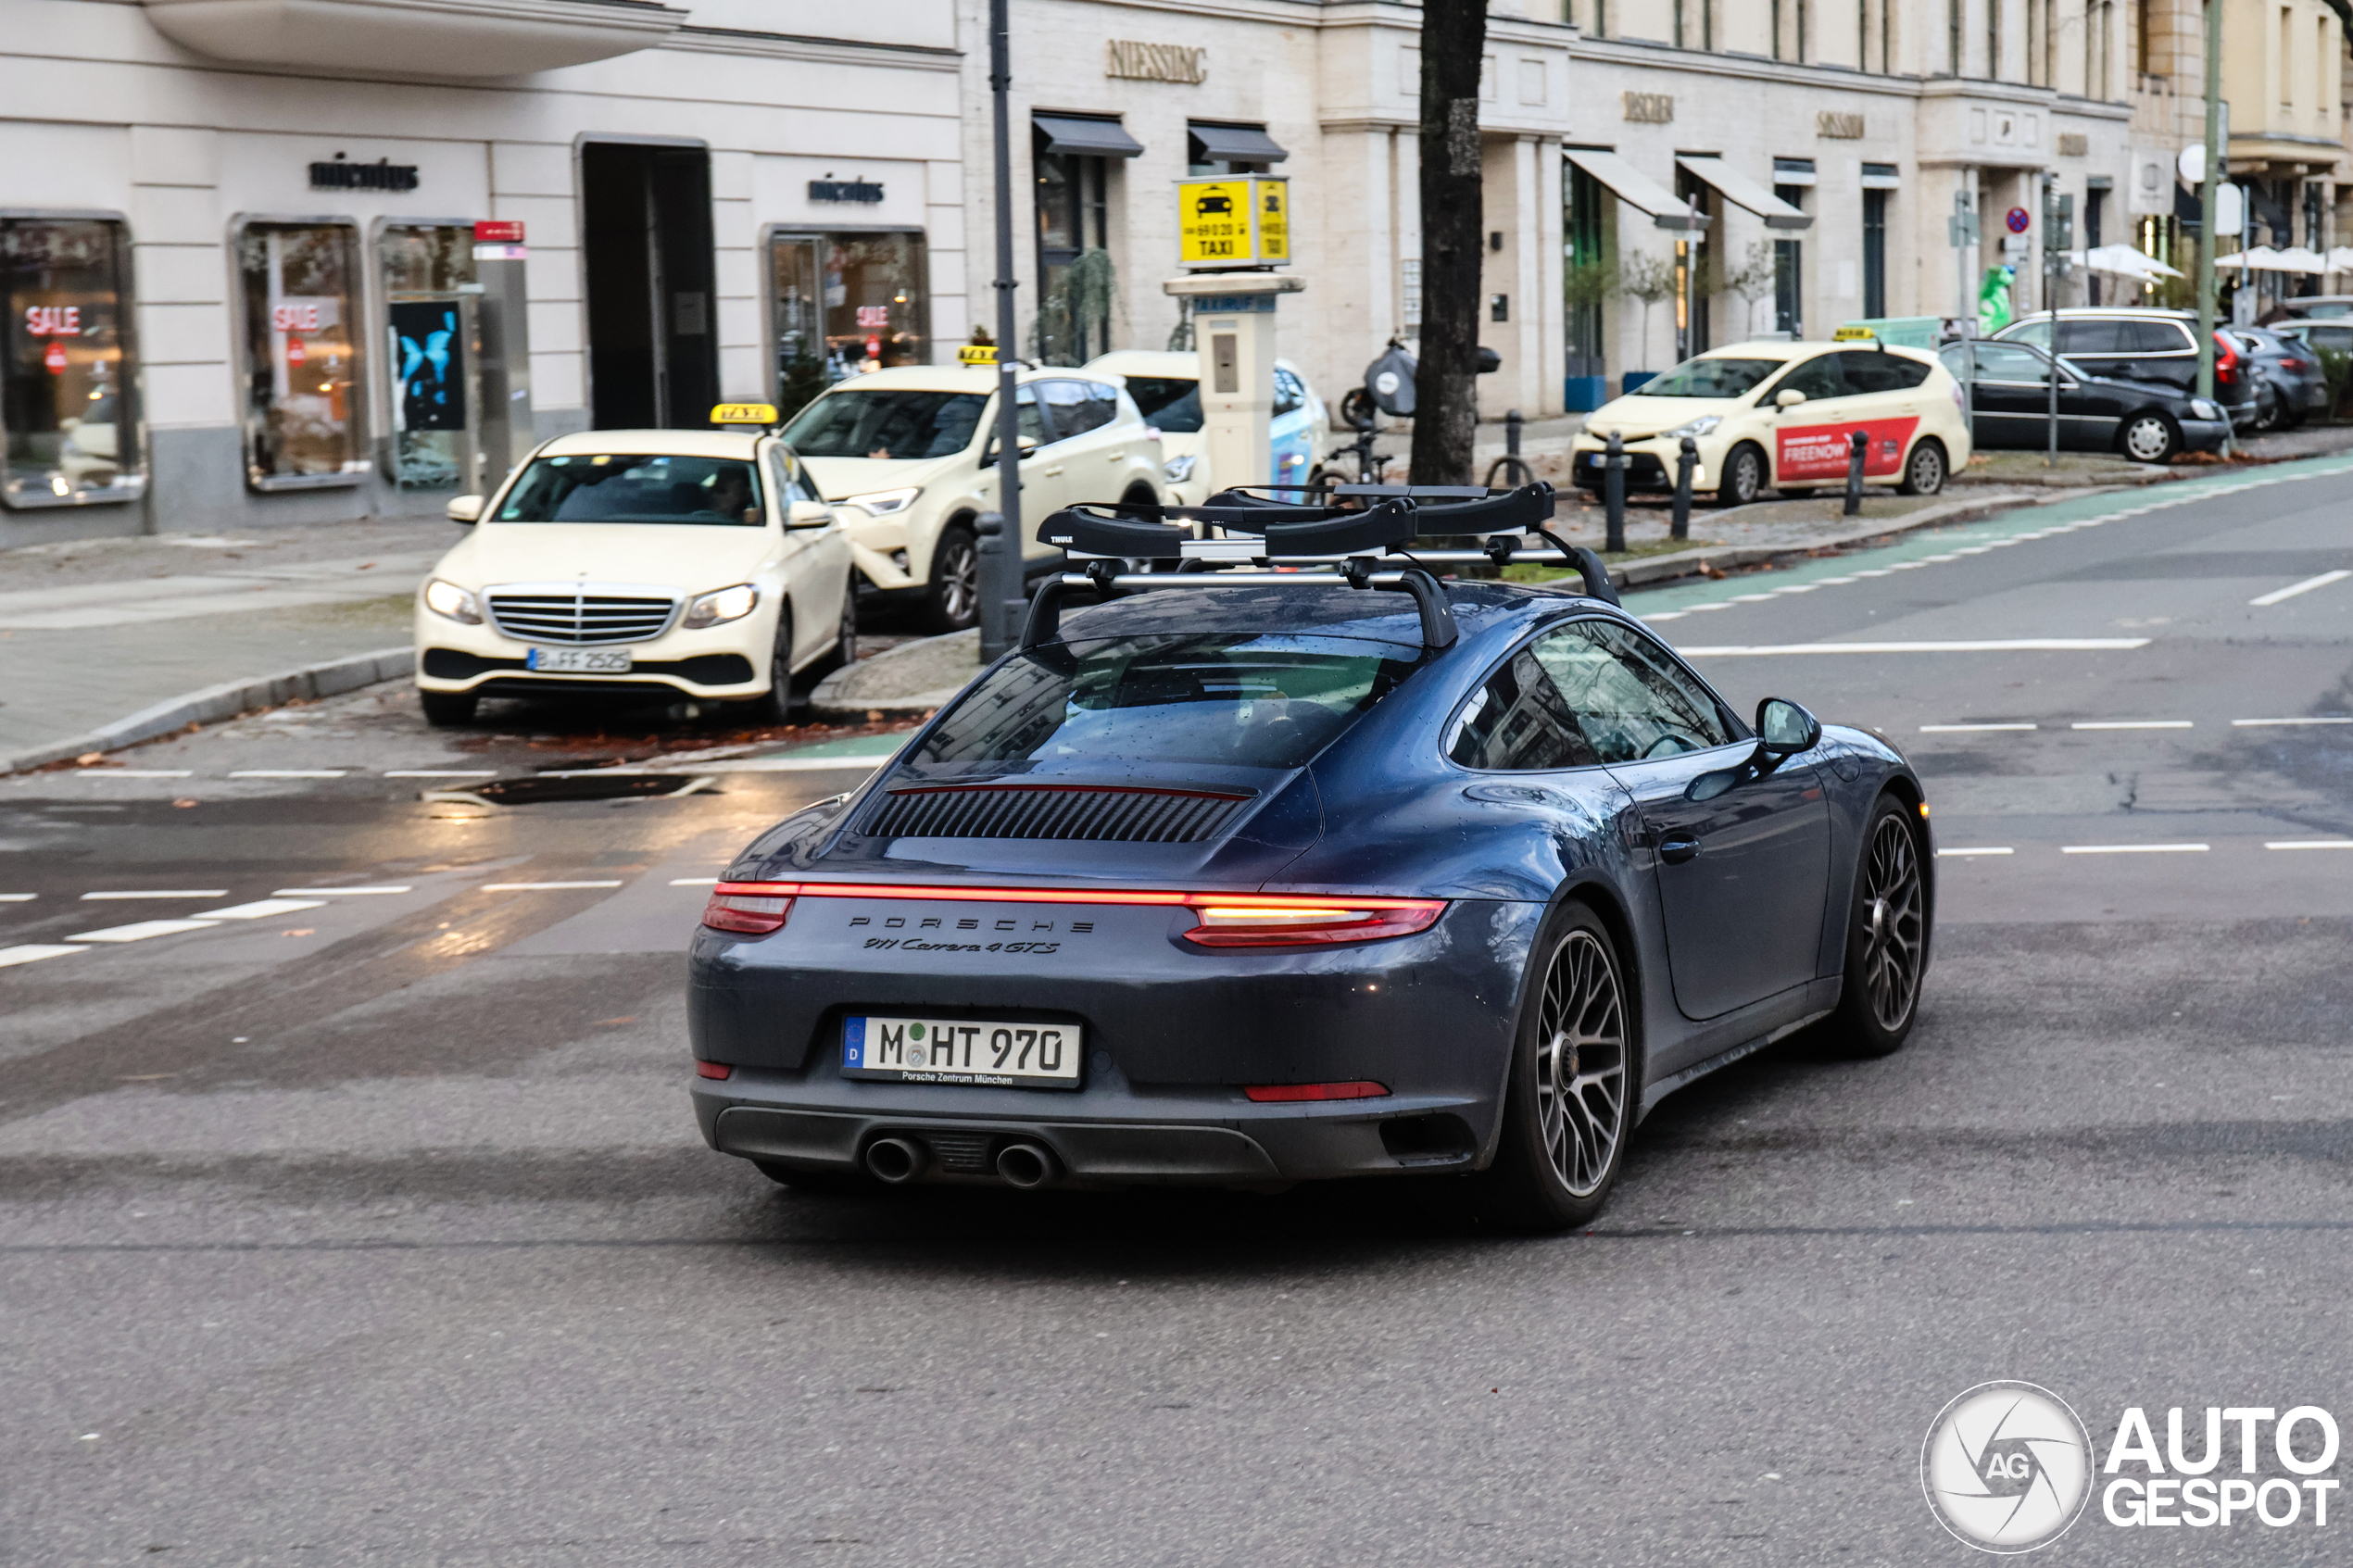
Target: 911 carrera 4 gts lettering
x,y
906,945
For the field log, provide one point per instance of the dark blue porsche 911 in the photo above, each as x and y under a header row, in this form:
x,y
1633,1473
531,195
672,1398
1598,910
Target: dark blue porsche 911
x,y
1245,878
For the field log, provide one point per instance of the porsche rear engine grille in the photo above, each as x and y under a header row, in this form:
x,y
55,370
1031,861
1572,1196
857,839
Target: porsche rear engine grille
x,y
1124,814
580,618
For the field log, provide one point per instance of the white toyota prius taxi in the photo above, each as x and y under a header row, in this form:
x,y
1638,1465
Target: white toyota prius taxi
x,y
1781,416
641,564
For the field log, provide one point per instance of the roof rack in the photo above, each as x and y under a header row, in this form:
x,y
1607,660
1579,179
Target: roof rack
x,y
1310,539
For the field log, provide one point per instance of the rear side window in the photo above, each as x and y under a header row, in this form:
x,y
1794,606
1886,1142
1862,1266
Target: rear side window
x,y
2091,337
1873,371
1075,407
2155,337
1592,692
1817,378
1290,395
1236,698
1167,403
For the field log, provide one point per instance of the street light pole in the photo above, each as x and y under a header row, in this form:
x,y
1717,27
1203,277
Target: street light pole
x,y
997,566
2211,198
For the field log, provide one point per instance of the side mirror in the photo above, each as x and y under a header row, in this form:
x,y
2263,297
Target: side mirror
x,y
1787,397
463,508
1783,729
807,514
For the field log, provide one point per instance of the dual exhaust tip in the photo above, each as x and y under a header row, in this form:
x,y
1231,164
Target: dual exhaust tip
x,y
1020,1164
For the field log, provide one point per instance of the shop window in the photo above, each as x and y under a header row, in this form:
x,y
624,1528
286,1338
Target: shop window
x,y
430,343
1789,271
1073,293
841,305
1589,276
68,390
305,414
1874,254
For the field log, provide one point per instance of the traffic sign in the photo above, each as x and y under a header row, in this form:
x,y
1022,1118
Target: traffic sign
x,y
2016,220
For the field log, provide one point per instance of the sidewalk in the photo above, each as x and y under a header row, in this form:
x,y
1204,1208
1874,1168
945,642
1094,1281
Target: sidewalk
x,y
94,633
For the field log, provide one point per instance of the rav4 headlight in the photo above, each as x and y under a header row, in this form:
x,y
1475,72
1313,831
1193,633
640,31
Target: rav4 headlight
x,y
1700,426
1179,468
452,603
886,503
720,606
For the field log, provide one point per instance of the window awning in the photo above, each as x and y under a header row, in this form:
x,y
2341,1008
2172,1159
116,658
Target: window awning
x,y
1636,189
1742,191
1086,138
1236,143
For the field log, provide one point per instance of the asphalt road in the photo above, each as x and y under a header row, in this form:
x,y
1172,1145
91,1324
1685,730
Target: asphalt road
x,y
376,1230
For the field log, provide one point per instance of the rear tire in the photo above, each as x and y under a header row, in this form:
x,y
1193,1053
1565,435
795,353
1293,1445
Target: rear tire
x,y
1743,477
953,602
1924,470
2149,437
1886,936
447,710
841,1183
1568,1105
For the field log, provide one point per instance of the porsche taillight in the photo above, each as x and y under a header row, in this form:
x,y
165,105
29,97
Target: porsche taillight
x,y
1231,921
748,908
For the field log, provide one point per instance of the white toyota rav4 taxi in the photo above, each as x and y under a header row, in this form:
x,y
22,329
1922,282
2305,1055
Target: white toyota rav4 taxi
x,y
641,564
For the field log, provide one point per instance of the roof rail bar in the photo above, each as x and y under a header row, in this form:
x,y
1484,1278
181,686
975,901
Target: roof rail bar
x,y
1440,631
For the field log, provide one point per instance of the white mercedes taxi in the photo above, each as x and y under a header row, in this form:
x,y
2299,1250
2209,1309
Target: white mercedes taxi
x,y
642,565
1781,416
911,454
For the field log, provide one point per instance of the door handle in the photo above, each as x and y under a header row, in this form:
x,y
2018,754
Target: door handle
x,y
1054,472
1675,851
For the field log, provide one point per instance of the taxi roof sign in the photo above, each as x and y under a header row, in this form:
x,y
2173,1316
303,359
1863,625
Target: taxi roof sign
x,y
977,353
744,414
1854,334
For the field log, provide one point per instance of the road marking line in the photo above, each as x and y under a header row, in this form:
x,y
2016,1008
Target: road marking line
x,y
334,892
2003,544
1942,853
1967,729
288,773
441,772
1833,582
33,952
142,930
1876,571
1939,559
694,881
1749,598
540,886
176,893
1972,549
17,897
136,773
265,908
2278,595
1907,566
1664,615
2135,725
2008,644
2260,723
2133,848
1797,588
2310,844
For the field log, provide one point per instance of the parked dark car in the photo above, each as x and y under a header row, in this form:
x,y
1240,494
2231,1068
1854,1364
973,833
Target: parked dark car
x,y
2288,382
2319,307
2148,421
2138,344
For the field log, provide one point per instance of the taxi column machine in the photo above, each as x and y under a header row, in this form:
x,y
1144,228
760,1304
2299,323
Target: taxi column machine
x,y
1232,233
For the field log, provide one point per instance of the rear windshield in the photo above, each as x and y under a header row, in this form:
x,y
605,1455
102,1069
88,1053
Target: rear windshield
x,y
1710,378
1236,698
620,487
887,422
1169,403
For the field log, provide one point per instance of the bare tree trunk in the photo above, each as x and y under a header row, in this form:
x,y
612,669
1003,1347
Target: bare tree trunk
x,y
1453,221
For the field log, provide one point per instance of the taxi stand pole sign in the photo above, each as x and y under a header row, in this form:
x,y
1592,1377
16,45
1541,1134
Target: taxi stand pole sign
x,y
1230,233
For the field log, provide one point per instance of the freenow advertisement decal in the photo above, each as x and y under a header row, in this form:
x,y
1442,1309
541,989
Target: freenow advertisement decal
x,y
1819,451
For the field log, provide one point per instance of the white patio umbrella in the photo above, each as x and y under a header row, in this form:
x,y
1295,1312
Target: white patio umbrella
x,y
2263,258
2297,258
2341,259
2124,261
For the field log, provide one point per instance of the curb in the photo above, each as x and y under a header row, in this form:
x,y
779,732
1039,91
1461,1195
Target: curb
x,y
831,699
224,701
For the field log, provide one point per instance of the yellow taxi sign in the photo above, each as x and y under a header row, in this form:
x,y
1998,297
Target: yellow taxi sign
x,y
1851,333
1242,221
744,414
977,353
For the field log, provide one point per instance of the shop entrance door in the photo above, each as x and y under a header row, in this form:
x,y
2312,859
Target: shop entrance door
x,y
653,355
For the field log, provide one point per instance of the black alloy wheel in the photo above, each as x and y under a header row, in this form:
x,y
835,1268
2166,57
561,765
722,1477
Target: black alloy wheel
x,y
1924,470
1570,1103
2149,436
1743,477
1886,936
954,599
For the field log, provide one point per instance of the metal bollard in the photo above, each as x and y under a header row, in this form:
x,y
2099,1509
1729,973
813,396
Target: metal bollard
x,y
1686,460
996,625
1856,445
1613,491
1511,421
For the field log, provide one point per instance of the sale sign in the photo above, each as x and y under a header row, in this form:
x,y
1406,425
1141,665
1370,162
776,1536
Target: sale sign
x,y
53,320
1820,451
